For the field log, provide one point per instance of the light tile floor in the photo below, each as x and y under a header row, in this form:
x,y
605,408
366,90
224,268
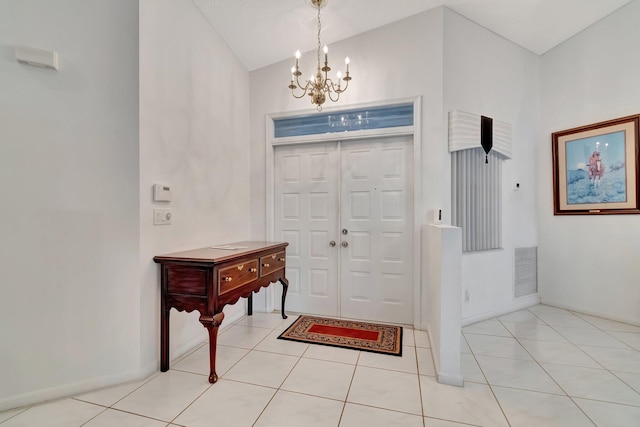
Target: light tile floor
x,y
538,367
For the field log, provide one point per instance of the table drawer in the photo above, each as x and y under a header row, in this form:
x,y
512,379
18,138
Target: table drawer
x,y
271,263
186,280
233,277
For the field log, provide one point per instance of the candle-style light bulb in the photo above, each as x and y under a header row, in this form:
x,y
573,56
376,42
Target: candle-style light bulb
x,y
297,54
346,61
293,70
325,49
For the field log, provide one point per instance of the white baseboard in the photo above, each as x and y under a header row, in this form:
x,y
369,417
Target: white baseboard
x,y
85,386
518,304
432,346
456,380
442,377
192,343
595,313
231,319
66,390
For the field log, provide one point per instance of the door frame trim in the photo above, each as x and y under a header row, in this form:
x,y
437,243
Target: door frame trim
x,y
415,131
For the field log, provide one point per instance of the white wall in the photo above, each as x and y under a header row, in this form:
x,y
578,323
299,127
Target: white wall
x,y
489,75
400,60
590,263
436,54
441,300
194,104
69,194
79,154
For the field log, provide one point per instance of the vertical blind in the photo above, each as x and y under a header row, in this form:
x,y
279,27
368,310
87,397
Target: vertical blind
x,y
477,198
477,186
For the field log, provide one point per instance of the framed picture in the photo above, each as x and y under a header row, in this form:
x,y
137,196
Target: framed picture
x,y
595,168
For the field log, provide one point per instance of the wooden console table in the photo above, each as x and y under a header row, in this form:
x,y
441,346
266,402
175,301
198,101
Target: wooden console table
x,y
207,279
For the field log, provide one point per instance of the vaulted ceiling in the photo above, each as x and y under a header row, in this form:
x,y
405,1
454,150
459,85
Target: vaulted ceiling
x,y
262,32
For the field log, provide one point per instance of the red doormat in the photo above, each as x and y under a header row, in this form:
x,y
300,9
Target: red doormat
x,y
373,337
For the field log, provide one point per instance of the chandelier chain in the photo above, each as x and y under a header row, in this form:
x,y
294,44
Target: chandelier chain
x,y
319,26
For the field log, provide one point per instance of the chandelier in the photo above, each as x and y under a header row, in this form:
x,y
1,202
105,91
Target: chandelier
x,y
319,86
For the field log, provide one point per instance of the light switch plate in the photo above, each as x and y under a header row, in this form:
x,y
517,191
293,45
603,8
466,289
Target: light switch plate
x,y
162,216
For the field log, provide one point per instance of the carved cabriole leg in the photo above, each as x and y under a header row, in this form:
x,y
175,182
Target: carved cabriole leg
x,y
212,323
285,286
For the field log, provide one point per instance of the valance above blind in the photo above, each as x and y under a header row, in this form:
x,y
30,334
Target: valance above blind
x,y
464,133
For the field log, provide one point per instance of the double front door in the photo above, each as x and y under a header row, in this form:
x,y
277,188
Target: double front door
x,y
346,209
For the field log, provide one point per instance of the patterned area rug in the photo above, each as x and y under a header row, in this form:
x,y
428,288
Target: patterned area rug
x,y
373,337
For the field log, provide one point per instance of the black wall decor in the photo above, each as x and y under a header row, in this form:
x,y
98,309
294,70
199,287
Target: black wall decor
x,y
486,135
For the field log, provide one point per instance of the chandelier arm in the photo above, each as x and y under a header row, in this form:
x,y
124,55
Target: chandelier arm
x,y
330,88
345,86
298,97
306,86
303,89
334,87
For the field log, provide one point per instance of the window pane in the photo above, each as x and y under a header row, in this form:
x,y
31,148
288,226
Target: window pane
x,y
369,118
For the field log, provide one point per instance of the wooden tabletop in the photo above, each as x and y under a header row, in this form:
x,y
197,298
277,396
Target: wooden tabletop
x,y
220,253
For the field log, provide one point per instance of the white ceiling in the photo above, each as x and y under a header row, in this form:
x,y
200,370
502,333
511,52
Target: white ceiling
x,y
262,32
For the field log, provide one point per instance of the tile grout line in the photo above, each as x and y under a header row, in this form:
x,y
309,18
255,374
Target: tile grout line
x,y
231,367
504,414
346,396
15,415
415,351
357,364
576,346
553,379
279,387
192,402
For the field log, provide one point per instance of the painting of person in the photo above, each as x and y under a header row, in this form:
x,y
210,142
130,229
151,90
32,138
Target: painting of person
x,y
596,168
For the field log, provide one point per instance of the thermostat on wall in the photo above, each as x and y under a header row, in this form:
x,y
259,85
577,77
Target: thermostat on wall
x,y
161,193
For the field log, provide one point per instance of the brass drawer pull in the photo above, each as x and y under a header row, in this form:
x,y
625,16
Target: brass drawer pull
x,y
240,267
265,265
253,270
282,259
227,279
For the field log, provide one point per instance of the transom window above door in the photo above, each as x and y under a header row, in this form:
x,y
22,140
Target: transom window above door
x,y
387,116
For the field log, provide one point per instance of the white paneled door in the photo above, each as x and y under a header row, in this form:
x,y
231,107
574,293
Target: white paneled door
x,y
346,209
306,216
376,220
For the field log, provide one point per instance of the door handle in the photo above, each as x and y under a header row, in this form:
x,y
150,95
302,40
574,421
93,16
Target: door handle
x,y
345,244
345,231
332,243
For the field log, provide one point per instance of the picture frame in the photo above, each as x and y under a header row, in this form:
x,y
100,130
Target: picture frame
x,y
596,168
